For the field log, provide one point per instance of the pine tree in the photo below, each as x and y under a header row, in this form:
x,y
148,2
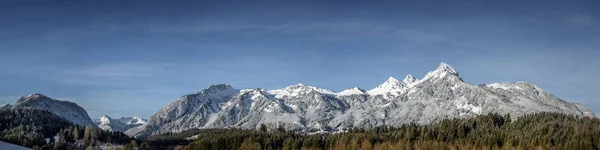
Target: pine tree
x,y
90,136
263,128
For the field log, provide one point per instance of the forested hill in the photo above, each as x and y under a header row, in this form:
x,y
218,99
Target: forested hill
x,y
491,131
32,127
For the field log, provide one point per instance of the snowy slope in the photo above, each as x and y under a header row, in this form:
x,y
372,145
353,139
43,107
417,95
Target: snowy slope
x,y
440,94
122,124
136,120
64,109
352,91
6,106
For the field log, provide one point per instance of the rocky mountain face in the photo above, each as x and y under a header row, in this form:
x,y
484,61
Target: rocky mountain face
x,y
122,124
440,94
65,109
5,106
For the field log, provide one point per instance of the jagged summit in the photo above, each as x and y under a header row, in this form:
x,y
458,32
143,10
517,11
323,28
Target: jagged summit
x,y
442,71
409,79
218,90
104,120
220,87
352,91
391,86
137,120
6,106
445,67
36,95
298,89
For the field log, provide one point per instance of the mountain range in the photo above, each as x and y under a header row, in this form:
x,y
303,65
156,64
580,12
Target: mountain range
x,y
440,94
73,113
121,124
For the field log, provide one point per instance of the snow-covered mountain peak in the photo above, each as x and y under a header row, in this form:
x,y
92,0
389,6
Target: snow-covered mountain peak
x,y
122,124
441,71
136,120
298,89
220,87
392,80
65,109
391,86
104,120
409,79
36,96
352,91
6,106
219,90
519,85
445,67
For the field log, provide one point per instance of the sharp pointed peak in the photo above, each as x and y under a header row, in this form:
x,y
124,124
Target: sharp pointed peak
x,y
442,71
445,67
409,79
391,81
7,105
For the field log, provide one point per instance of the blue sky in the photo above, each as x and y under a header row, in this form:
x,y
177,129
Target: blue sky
x,y
131,58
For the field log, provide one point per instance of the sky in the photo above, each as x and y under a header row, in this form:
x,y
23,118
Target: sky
x,y
127,58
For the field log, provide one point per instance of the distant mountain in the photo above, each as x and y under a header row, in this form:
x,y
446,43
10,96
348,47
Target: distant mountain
x,y
65,109
440,94
122,124
6,106
136,120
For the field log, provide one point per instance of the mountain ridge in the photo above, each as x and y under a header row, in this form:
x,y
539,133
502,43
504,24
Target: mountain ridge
x,y
440,94
122,124
65,109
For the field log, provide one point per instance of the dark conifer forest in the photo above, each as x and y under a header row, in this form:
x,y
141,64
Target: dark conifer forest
x,y
40,129
491,131
30,128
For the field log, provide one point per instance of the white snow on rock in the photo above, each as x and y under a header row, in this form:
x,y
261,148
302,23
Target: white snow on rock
x,y
352,91
6,106
122,124
65,109
409,80
391,87
297,90
439,95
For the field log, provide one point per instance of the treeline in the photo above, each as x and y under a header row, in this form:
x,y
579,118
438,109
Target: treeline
x,y
491,131
37,129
